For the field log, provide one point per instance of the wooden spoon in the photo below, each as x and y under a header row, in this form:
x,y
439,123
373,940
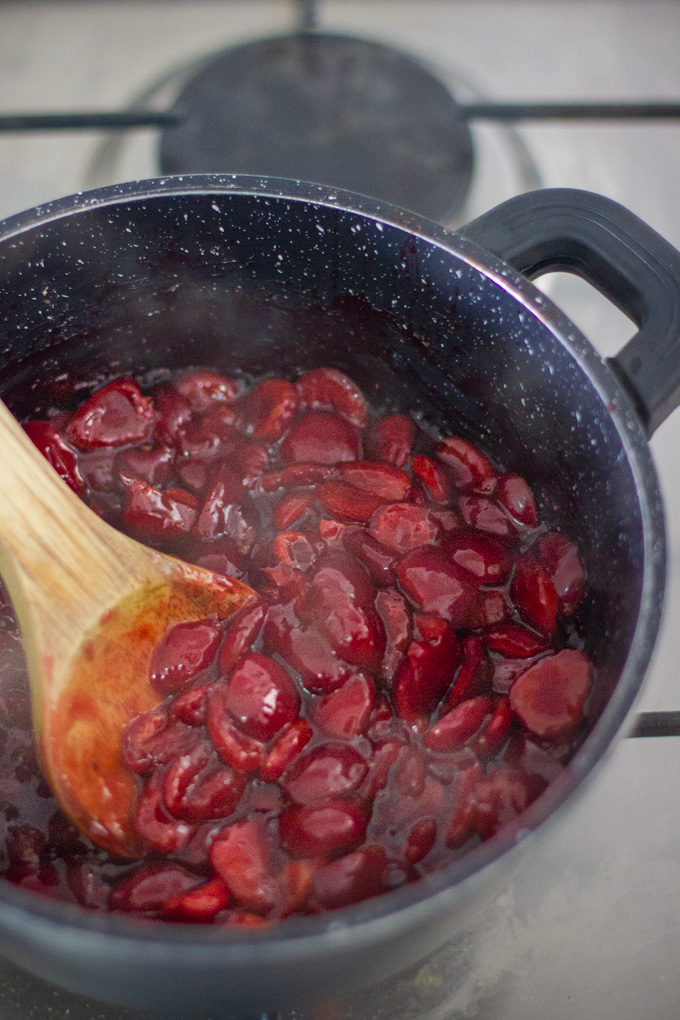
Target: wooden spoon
x,y
91,604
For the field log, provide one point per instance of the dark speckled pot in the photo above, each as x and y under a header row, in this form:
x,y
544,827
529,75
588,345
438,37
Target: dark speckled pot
x,y
273,275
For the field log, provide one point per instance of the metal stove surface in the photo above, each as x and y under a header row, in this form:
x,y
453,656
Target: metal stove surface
x,y
593,929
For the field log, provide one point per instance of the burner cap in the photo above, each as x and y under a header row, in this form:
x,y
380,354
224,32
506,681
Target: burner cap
x,y
328,109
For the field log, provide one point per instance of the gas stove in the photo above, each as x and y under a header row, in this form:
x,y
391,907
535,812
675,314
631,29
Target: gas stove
x,y
591,930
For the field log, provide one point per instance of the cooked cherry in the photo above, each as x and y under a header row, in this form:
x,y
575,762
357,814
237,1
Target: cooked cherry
x,y
189,705
202,388
378,559
235,748
87,885
352,878
297,549
305,650
410,772
395,814
495,732
330,770
344,713
113,416
250,461
154,823
561,559
385,754
294,883
290,582
100,469
321,830
328,388
534,595
471,469
506,671
153,738
297,475
420,840
181,774
291,507
485,515
183,651
403,527
269,409
460,724
150,886
433,477
288,745
333,532
514,640
205,438
438,586
383,480
426,672
221,514
321,438
514,494
549,697
240,854
353,631
347,502
260,697
462,822
154,464
493,606
194,475
57,452
474,674
154,514
222,556
391,439
242,630
213,792
173,412
486,559
197,904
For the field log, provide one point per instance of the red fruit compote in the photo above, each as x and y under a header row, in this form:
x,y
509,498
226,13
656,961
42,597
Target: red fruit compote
x,y
407,681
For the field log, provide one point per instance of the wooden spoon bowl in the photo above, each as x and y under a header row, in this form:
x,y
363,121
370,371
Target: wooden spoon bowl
x,y
92,604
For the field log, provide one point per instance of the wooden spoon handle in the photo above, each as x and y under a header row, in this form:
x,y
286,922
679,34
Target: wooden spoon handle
x,y
43,525
61,563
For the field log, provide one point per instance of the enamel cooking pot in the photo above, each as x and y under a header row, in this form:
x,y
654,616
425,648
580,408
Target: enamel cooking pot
x,y
268,275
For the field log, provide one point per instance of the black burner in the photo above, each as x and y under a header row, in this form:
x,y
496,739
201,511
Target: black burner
x,y
329,109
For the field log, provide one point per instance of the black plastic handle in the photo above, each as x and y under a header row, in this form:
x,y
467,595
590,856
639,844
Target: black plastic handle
x,y
564,229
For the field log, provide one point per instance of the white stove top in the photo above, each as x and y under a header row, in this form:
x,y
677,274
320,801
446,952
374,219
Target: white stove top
x,y
593,929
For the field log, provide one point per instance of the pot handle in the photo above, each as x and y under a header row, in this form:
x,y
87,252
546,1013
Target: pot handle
x,y
568,230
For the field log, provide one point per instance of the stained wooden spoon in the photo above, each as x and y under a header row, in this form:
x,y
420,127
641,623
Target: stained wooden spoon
x,y
91,604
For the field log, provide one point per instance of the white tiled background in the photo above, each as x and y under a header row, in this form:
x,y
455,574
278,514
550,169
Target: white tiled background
x,y
593,929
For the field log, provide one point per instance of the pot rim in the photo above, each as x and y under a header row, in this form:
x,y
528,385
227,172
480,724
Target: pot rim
x,y
397,908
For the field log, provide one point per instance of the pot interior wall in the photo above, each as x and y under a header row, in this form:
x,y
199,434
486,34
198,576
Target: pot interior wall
x,y
269,285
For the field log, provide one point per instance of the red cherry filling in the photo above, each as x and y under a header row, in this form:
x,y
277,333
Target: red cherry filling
x,y
549,697
113,416
321,830
183,652
402,687
57,452
321,438
326,387
260,697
